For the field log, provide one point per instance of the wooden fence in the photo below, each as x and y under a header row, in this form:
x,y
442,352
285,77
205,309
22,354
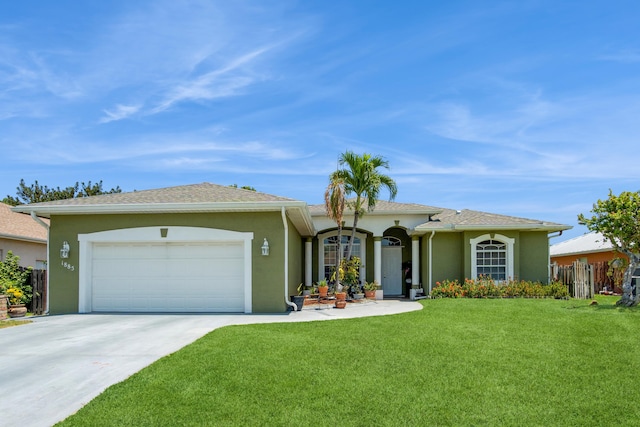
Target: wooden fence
x,y
585,280
38,280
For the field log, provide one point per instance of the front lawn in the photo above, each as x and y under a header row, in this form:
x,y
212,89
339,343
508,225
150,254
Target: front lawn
x,y
456,362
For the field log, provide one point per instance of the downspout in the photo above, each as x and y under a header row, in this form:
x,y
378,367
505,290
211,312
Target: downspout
x,y
286,260
549,237
46,226
431,260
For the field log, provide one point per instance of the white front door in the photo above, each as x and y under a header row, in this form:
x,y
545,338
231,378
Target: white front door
x,y
392,270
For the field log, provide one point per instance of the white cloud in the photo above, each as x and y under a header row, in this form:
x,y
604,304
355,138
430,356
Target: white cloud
x,y
120,112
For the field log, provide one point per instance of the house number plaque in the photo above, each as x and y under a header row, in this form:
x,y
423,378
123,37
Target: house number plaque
x,y
68,266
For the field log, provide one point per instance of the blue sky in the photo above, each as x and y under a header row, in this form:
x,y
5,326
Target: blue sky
x,y
526,108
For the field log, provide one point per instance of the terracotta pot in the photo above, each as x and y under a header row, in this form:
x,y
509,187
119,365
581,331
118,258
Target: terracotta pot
x,y
18,310
370,294
341,296
341,303
323,291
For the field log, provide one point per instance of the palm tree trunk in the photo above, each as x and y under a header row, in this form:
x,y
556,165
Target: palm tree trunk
x,y
353,234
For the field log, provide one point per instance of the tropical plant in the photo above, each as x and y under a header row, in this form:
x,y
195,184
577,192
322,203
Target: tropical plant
x,y
618,219
13,279
371,286
334,201
360,176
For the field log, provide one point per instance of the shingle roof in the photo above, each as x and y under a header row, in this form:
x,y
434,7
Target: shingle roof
x,y
203,197
186,194
19,226
450,219
385,207
587,243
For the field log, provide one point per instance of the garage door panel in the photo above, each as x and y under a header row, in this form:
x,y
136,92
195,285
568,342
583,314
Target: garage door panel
x,y
165,277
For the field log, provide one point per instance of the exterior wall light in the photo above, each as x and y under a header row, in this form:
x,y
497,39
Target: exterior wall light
x,y
64,252
265,248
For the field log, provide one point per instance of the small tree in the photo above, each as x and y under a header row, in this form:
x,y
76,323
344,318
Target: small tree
x,y
334,201
362,178
618,219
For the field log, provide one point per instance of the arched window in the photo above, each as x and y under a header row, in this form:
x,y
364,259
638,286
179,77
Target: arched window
x,y
491,259
492,256
391,241
328,252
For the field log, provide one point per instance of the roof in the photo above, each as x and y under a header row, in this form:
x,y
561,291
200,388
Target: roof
x,y
204,197
458,220
587,243
383,208
18,226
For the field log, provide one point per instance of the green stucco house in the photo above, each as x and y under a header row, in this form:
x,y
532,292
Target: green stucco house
x,y
211,248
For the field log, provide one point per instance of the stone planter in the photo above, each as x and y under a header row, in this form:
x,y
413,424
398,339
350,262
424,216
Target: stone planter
x,y
4,306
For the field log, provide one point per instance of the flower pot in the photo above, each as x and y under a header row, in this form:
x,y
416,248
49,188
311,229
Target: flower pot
x,y
323,291
341,296
341,303
370,294
298,300
358,295
18,310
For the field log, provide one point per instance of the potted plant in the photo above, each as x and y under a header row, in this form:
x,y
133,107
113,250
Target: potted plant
x,y
356,291
298,300
13,283
18,298
370,289
323,288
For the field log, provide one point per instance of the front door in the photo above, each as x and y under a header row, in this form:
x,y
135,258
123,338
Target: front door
x,y
392,270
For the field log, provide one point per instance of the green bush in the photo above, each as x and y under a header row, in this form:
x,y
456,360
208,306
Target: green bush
x,y
13,280
484,287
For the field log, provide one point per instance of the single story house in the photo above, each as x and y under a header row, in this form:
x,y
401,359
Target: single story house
x,y
212,248
24,236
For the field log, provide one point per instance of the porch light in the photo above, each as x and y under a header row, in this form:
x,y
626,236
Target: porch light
x,y
64,252
265,248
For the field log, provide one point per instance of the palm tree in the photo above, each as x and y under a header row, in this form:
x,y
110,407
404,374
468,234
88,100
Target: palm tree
x,y
361,178
334,201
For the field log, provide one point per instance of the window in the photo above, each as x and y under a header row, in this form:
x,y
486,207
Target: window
x,y
391,241
329,252
492,256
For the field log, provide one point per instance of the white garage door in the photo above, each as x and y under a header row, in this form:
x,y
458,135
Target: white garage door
x,y
168,277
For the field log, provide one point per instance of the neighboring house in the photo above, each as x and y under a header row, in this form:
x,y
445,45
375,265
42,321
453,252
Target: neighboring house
x,y
24,237
211,248
588,248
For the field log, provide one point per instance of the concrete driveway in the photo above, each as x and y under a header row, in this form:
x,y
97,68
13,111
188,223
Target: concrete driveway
x,y
52,367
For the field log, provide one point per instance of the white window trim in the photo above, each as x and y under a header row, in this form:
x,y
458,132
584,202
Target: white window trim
x,y
363,251
499,237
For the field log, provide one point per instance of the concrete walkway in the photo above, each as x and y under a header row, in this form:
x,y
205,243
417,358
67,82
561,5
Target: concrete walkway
x,y
52,367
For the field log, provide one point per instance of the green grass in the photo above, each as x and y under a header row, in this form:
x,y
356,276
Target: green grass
x,y
456,362
10,323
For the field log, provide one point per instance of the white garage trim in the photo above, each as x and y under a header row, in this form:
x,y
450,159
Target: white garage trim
x,y
155,234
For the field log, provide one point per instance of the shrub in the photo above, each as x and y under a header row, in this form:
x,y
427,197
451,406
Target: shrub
x,y
485,287
13,280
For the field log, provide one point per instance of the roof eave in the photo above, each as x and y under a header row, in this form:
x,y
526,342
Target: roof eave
x,y
22,238
526,227
47,211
